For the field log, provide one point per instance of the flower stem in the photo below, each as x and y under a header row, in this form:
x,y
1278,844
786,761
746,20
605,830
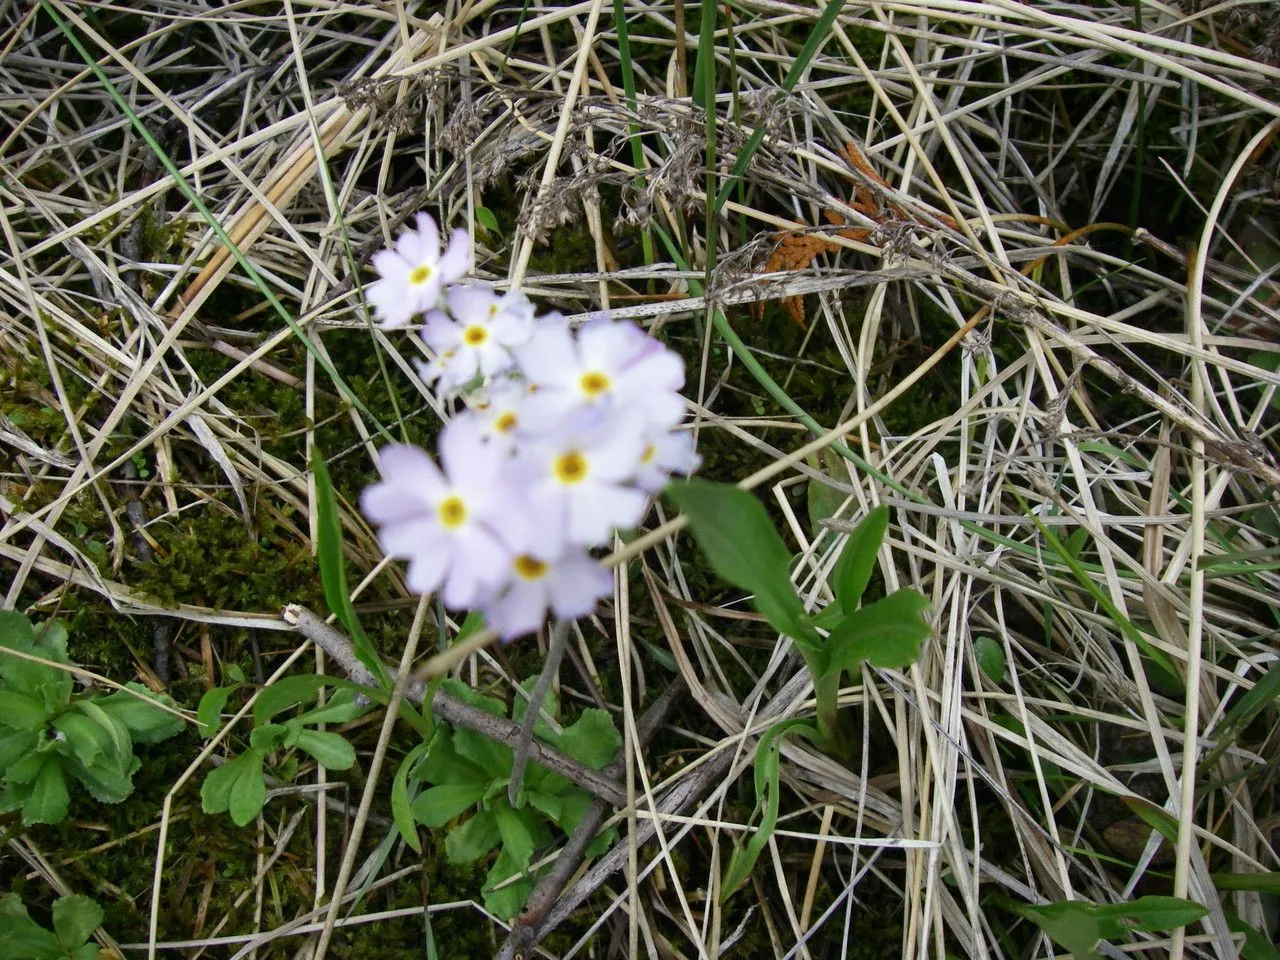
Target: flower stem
x,y
559,638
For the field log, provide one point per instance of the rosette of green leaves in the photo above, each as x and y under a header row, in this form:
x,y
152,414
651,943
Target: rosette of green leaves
x,y
238,786
48,736
735,534
74,920
469,772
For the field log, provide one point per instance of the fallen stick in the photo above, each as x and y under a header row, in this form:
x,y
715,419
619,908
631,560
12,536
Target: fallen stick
x,y
454,711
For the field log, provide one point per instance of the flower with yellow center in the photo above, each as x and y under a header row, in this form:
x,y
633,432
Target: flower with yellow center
x,y
578,479
475,337
606,365
412,275
566,586
453,525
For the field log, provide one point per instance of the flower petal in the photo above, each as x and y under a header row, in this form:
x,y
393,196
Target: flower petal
x,y
457,261
575,583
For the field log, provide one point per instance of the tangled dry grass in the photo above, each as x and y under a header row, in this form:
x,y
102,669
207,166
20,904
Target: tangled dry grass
x,y
1053,350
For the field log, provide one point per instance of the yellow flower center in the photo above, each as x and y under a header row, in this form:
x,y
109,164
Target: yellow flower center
x,y
420,275
529,568
474,335
594,383
649,451
453,512
570,467
505,422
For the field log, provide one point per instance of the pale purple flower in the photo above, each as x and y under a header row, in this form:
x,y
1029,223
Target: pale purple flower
x,y
415,272
476,336
454,526
497,412
607,365
568,586
578,480
664,454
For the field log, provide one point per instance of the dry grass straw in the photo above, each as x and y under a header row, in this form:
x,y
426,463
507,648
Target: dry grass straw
x,y
1146,428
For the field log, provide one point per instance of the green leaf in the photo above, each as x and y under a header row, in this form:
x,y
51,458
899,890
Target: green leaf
x,y
401,802
237,787
990,657
822,500
486,219
331,749
1148,914
517,837
248,792
461,691
473,839
16,633
268,736
16,630
49,799
768,799
592,740
288,692
333,576
209,712
146,722
106,780
1260,882
21,938
436,806
857,560
343,707
1078,925
735,534
506,901
443,765
22,711
1153,816
86,739
120,750
1256,946
548,804
14,745
887,634
74,919
493,758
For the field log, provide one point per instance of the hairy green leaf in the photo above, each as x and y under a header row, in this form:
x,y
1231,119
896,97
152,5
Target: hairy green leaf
x,y
49,798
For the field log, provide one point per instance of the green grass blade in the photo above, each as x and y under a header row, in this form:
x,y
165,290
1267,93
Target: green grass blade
x,y
333,574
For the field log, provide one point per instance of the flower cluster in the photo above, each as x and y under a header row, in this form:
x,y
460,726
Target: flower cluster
x,y
564,435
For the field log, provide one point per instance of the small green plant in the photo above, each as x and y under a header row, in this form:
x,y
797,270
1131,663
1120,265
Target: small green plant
x,y
74,920
48,735
738,539
238,786
1079,925
469,772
